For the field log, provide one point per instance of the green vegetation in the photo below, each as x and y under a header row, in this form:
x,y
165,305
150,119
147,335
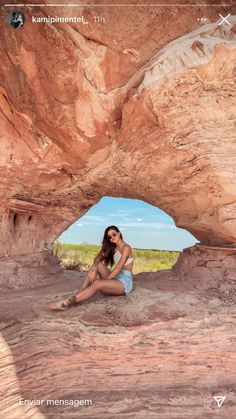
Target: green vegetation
x,y
80,257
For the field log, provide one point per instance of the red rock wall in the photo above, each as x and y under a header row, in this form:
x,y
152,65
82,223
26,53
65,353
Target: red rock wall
x,y
131,109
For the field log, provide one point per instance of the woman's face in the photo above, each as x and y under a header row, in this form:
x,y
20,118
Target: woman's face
x,y
113,236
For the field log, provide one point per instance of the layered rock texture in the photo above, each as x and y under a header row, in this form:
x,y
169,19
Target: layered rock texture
x,y
162,352
134,107
141,105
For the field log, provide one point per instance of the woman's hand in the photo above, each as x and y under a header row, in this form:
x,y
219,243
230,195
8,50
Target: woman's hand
x,y
92,276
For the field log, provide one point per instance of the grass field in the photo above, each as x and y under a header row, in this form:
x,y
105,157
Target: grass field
x,y
80,257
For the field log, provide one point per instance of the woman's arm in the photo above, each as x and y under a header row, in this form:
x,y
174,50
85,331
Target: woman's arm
x,y
96,260
92,272
121,263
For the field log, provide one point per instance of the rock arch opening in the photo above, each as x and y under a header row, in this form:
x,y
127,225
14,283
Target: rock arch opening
x,y
33,227
151,130
150,231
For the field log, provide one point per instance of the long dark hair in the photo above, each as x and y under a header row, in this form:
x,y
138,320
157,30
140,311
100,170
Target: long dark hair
x,y
108,249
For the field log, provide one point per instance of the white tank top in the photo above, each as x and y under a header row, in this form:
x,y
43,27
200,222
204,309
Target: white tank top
x,y
117,257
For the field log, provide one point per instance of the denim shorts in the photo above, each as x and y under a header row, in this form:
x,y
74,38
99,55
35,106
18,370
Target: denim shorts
x,y
127,280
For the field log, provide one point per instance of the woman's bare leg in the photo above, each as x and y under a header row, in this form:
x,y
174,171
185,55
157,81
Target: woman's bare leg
x,y
101,270
86,291
108,286
85,283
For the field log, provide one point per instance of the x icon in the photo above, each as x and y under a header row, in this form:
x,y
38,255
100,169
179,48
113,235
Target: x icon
x,y
224,19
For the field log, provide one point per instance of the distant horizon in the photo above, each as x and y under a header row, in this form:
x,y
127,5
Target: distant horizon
x,y
136,248
142,225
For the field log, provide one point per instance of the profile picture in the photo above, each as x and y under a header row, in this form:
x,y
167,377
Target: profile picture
x,y
16,19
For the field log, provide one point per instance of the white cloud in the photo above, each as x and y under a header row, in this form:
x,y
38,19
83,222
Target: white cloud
x,y
119,213
145,225
103,221
87,219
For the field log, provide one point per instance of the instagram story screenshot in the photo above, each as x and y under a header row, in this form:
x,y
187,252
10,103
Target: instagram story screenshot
x,y
118,209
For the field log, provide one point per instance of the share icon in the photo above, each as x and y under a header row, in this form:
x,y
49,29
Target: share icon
x,y
219,399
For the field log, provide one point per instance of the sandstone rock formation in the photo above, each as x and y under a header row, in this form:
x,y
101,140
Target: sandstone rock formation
x,y
143,106
85,108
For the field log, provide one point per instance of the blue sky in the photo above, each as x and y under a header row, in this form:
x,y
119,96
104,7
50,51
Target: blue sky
x,y
142,225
